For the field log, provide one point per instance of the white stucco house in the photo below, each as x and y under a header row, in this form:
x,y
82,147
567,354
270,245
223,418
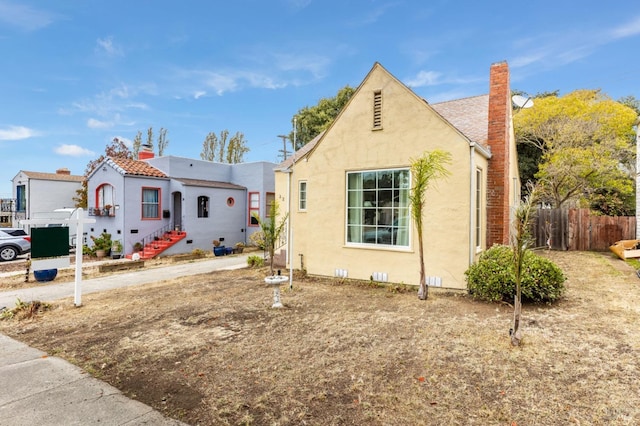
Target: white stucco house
x,y
38,192
192,201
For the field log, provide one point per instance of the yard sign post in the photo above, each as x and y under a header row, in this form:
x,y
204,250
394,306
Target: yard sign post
x,y
79,221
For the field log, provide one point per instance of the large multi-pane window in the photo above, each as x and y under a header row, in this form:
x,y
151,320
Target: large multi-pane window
x,y
151,203
378,207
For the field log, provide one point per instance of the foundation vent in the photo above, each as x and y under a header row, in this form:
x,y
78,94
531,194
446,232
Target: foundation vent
x,y
341,273
434,281
380,276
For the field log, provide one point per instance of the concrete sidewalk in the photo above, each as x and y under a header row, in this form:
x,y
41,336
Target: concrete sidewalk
x,y
36,389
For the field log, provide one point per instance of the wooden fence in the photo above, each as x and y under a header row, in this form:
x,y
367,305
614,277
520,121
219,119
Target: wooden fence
x,y
577,229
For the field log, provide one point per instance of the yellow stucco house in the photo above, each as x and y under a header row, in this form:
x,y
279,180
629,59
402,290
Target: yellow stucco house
x,y
347,191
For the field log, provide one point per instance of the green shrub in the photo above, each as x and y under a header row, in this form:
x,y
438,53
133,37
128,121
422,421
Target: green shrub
x,y
492,277
257,239
255,261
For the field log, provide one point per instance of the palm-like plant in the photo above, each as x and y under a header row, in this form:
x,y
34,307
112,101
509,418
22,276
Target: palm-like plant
x,y
425,170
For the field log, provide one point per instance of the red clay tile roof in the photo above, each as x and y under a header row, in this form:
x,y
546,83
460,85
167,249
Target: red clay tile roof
x,y
209,183
134,167
469,115
53,176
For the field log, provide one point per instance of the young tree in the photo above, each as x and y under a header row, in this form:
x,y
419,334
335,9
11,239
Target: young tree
x,y
272,230
236,149
425,170
521,241
209,147
137,143
150,138
163,142
309,122
116,149
223,149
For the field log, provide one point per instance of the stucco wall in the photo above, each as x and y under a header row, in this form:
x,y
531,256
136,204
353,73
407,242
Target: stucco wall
x,y
410,127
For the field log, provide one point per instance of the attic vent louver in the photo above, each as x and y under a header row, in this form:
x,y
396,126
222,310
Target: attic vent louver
x,y
377,109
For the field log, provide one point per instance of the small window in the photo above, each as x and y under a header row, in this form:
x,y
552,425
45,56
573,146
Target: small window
x,y
150,203
230,201
377,109
302,195
203,206
254,208
21,198
271,198
478,208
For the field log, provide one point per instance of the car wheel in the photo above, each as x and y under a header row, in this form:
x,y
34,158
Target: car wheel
x,y
8,253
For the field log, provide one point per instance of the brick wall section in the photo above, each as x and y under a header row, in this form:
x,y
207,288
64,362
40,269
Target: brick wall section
x,y
498,139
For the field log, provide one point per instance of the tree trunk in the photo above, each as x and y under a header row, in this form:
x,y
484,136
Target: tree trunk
x,y
423,291
516,334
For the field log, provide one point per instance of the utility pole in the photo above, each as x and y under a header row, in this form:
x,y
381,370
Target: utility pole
x,y
284,146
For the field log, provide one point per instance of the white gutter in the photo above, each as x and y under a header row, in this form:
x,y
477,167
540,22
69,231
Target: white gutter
x,y
472,201
289,172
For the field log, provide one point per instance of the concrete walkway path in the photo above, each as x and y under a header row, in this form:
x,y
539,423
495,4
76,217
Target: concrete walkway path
x,y
37,389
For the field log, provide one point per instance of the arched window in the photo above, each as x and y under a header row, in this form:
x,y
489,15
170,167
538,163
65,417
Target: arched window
x,y
105,196
203,206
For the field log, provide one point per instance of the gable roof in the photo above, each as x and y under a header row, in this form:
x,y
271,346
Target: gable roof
x,y
208,183
53,176
468,115
130,167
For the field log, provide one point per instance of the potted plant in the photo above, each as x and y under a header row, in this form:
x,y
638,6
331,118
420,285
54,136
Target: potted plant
x,y
218,250
101,245
116,249
138,247
107,209
239,248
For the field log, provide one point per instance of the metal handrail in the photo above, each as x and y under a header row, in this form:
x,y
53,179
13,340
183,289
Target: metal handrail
x,y
156,235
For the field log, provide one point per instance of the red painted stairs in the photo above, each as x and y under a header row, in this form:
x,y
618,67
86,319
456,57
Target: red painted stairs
x,y
156,247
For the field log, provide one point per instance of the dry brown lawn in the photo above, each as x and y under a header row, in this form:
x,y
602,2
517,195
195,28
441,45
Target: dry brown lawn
x,y
209,350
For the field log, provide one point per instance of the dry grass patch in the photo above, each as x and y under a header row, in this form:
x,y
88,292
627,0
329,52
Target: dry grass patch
x,y
209,350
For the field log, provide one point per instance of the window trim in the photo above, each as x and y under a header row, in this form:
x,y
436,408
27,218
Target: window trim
x,y
302,195
267,206
203,206
142,203
408,228
253,209
100,196
478,209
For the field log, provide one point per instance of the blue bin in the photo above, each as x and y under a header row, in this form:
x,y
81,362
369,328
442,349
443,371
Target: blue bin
x,y
44,275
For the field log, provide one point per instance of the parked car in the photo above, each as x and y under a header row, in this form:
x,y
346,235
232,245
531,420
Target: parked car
x,y
13,243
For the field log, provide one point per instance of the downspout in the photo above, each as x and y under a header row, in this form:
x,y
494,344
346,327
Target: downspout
x,y
472,201
289,172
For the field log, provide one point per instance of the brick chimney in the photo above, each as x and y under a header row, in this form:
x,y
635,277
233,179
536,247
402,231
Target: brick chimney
x,y
63,171
145,153
498,217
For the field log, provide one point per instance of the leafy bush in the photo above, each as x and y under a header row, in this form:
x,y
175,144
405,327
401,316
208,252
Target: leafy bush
x,y
257,239
255,261
492,277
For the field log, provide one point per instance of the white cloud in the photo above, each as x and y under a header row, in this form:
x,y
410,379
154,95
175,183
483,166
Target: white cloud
x,y
629,29
424,78
24,17
198,94
92,123
14,133
107,46
73,151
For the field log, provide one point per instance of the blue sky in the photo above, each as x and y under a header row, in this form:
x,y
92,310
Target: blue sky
x,y
76,74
